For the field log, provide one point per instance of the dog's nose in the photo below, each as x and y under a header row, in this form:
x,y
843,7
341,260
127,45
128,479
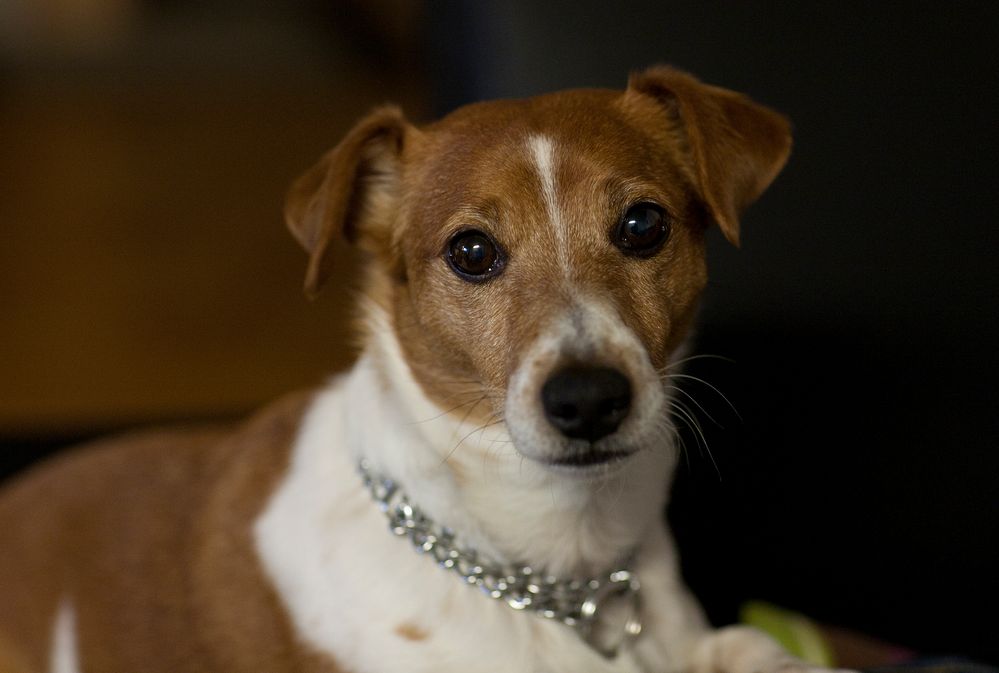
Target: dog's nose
x,y
586,402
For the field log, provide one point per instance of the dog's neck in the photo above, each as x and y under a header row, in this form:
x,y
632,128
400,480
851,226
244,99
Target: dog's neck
x,y
473,480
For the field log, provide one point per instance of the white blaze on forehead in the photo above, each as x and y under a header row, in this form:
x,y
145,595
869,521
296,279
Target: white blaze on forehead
x,y
543,152
64,655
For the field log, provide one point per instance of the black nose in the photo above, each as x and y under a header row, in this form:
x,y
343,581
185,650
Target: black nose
x,y
586,402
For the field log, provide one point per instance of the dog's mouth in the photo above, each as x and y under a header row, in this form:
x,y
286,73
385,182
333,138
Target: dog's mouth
x,y
588,459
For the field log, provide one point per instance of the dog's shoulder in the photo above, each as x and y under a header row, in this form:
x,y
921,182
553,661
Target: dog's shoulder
x,y
145,526
239,612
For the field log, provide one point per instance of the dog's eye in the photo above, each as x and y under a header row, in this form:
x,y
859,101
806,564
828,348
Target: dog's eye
x,y
642,230
474,256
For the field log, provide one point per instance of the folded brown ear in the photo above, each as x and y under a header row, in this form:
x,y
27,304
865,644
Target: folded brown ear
x,y
736,146
348,191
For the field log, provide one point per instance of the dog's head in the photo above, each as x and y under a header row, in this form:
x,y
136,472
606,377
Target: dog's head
x,y
542,259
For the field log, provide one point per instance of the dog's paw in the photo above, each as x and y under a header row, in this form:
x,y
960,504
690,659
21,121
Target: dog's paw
x,y
743,649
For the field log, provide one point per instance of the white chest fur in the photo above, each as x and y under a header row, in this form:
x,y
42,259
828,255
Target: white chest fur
x,y
363,596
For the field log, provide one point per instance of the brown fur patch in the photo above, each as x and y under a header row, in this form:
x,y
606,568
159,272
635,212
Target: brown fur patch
x,y
411,632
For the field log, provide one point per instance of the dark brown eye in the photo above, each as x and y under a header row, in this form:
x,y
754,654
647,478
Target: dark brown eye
x,y
642,230
474,256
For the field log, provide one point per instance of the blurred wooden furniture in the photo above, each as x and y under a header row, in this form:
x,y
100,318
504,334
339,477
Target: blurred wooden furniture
x,y
145,271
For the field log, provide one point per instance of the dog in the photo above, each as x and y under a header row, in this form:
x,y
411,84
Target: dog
x,y
484,490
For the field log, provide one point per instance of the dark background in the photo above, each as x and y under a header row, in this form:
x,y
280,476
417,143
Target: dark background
x,y
860,315
857,480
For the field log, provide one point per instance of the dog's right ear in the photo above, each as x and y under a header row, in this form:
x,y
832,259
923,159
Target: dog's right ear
x,y
351,192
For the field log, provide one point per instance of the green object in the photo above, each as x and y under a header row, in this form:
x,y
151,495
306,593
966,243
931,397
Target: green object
x,y
797,633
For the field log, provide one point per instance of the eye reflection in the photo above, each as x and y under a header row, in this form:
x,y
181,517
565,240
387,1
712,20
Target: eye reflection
x,y
474,256
643,230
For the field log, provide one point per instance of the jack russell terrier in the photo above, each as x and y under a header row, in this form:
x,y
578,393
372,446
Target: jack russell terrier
x,y
484,490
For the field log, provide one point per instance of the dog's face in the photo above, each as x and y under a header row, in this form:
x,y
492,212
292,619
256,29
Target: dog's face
x,y
542,258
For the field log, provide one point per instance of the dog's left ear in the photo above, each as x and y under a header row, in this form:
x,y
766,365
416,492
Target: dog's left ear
x,y
352,191
735,147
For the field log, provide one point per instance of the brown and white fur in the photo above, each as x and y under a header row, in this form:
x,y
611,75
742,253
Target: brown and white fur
x,y
259,549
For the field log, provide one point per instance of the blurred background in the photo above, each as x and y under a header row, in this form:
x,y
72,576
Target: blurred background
x,y
146,277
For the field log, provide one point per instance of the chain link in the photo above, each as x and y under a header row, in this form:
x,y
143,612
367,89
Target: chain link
x,y
575,603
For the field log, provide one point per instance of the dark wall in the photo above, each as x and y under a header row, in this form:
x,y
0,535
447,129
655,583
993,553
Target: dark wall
x,y
859,484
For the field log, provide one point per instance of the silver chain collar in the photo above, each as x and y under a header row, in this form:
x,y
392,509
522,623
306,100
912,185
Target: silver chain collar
x,y
575,603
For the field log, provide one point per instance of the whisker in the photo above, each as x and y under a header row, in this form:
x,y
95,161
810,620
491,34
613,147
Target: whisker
x,y
693,399
469,434
705,383
695,426
676,441
690,423
700,356
462,422
473,402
